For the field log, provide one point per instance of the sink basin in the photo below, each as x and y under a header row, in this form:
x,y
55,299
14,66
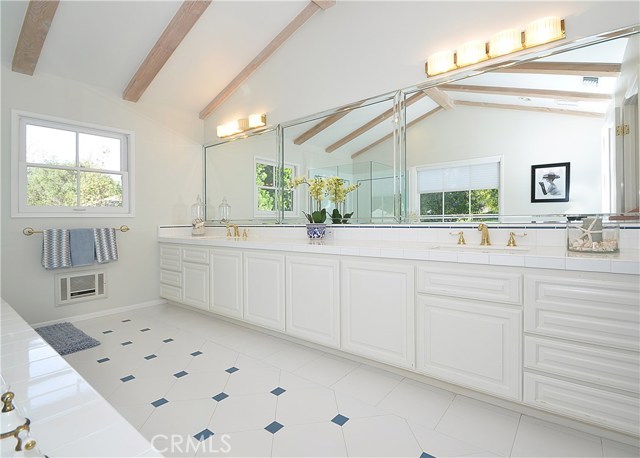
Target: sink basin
x,y
482,249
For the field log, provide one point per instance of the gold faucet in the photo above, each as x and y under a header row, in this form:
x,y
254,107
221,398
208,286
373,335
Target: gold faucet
x,y
461,240
512,238
236,231
485,234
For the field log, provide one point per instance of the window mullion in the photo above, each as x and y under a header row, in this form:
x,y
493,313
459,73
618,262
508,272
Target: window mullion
x,y
78,191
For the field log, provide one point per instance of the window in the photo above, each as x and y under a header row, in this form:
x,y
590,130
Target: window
x,y
269,197
460,191
63,168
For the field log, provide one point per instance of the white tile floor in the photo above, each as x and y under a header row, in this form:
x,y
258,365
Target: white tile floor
x,y
198,386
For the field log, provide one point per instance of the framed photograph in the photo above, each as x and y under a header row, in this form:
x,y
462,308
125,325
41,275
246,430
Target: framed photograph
x,y
550,182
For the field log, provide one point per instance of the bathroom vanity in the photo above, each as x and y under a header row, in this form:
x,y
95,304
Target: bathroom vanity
x,y
532,325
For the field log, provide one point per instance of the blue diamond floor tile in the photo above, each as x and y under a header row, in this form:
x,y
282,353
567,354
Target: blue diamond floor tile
x,y
145,329
108,331
159,402
203,435
180,374
231,370
340,419
278,391
128,342
196,353
103,360
220,396
151,356
274,427
127,378
426,455
167,340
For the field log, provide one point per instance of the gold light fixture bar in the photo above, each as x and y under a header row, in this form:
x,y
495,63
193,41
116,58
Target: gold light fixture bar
x,y
538,32
238,126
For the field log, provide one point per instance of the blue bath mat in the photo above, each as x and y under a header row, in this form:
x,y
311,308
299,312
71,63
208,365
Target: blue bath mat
x,y
65,338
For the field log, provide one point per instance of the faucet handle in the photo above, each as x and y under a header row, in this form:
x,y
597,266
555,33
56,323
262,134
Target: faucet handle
x,y
460,234
512,238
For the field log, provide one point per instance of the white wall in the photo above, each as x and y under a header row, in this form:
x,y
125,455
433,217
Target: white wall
x,y
356,50
168,166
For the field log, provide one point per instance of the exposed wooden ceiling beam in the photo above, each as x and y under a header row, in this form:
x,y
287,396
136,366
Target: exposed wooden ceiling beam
x,y
517,91
374,122
297,22
35,28
440,97
182,22
503,106
322,125
388,136
565,68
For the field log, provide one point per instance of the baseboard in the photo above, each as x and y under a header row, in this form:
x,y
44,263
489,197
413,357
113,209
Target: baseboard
x,y
113,311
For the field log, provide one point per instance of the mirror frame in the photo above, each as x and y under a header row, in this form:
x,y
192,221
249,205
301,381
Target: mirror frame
x,y
399,132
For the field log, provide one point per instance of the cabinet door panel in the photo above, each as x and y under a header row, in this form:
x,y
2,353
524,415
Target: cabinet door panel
x,y
264,289
313,299
170,258
195,285
171,293
470,343
226,282
378,311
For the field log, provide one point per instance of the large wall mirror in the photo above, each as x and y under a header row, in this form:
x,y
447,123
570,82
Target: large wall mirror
x,y
538,139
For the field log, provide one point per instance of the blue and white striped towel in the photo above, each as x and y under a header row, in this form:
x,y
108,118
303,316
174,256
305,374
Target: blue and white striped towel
x,y
55,249
106,248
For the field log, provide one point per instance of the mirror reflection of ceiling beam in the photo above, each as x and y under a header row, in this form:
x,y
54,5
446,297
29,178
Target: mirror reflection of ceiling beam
x,y
297,22
588,114
388,136
565,68
35,27
322,125
440,97
524,92
180,25
374,122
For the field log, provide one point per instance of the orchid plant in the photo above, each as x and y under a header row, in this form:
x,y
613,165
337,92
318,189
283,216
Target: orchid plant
x,y
334,188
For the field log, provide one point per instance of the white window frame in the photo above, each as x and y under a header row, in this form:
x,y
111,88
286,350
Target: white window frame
x,y
413,183
19,207
271,214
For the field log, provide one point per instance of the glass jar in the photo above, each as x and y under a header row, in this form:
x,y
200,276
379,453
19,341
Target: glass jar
x,y
224,210
197,218
593,235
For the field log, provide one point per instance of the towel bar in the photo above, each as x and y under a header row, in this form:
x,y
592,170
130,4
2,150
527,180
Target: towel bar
x,y
31,231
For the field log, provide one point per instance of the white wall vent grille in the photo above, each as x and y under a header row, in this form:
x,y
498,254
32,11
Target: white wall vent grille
x,y
80,287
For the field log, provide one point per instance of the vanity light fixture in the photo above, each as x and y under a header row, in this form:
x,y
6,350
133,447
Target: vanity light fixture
x,y
538,32
238,126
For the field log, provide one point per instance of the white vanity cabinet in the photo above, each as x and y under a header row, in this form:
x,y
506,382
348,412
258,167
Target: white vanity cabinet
x,y
226,282
581,347
465,341
313,299
264,295
378,310
184,275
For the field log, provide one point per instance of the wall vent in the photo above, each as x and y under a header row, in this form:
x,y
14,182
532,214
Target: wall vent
x,y
80,287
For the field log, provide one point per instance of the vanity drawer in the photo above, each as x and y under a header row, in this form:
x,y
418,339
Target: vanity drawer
x,y
168,277
487,286
583,309
197,255
171,293
605,408
170,257
612,368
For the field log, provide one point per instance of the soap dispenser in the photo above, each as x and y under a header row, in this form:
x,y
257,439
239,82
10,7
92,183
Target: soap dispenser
x,y
225,210
197,218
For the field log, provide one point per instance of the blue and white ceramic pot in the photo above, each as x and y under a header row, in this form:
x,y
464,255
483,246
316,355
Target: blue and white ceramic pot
x,y
316,230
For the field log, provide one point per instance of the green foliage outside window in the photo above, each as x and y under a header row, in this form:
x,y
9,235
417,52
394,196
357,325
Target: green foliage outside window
x,y
465,204
268,195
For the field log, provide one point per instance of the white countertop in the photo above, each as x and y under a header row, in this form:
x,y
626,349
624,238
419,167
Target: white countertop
x,y
548,257
68,417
